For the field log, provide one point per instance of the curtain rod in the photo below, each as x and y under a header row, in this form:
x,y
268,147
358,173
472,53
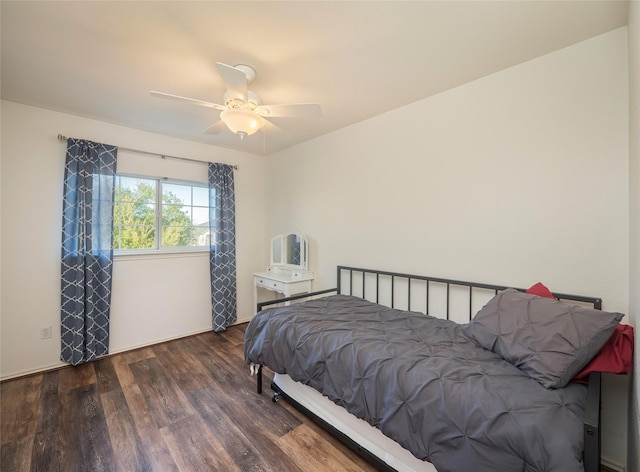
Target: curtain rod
x,y
62,137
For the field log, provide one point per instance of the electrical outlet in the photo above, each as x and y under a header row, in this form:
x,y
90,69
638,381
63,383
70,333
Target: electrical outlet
x,y
45,333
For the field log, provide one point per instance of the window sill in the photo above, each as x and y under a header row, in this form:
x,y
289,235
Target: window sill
x,y
146,255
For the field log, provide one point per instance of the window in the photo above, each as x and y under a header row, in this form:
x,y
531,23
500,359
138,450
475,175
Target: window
x,y
160,214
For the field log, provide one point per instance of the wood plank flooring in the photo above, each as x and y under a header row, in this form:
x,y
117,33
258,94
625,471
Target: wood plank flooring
x,y
184,405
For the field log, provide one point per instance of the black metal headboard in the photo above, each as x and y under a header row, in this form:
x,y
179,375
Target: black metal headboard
x,y
398,290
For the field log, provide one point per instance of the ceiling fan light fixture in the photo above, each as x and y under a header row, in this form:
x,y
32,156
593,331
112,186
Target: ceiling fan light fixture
x,y
242,122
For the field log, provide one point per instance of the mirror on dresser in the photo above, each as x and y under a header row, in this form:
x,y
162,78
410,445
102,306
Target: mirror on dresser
x,y
289,250
288,263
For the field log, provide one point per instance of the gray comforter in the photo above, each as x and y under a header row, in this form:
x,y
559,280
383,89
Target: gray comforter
x,y
424,384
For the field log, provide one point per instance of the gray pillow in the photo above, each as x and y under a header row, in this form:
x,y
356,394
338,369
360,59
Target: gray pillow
x,y
549,340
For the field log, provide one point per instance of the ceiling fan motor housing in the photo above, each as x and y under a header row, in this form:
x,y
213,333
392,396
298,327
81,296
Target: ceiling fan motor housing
x,y
252,103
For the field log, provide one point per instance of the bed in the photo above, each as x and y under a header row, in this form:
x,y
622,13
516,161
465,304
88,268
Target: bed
x,y
413,391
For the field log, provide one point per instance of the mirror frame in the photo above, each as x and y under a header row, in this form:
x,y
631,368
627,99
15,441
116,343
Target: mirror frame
x,y
280,242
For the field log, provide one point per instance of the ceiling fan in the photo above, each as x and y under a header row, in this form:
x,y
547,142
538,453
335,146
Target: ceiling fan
x,y
243,112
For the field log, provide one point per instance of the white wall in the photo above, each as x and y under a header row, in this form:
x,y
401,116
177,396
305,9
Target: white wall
x,y
634,220
519,177
154,298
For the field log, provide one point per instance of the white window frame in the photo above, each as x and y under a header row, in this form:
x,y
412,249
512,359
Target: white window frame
x,y
159,249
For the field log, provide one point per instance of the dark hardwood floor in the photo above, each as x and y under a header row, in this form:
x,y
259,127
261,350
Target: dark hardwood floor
x,y
183,405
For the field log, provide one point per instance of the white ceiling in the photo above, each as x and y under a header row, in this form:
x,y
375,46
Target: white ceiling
x,y
357,59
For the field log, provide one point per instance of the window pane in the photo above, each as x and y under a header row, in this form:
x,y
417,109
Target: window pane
x,y
200,216
134,237
176,215
200,235
176,194
173,236
134,189
204,238
134,213
119,211
116,238
201,196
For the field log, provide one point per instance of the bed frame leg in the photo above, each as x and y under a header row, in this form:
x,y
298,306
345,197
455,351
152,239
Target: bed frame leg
x,y
259,380
592,424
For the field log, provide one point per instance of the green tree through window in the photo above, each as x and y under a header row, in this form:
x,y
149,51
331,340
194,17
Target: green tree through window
x,y
153,214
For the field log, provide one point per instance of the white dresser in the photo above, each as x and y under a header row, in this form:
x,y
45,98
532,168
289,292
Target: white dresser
x,y
288,272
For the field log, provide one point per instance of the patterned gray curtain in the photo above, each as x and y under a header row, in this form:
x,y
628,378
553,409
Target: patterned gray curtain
x,y
87,249
222,226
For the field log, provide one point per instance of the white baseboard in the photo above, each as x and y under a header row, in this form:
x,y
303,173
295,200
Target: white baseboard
x,y
58,365
37,370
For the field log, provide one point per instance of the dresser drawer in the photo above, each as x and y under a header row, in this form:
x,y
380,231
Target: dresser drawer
x,y
270,284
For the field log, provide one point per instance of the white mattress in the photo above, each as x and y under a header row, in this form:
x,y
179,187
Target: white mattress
x,y
360,431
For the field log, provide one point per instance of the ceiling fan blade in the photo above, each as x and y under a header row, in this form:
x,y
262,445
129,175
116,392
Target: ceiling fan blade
x,y
294,110
186,99
216,128
270,127
235,80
